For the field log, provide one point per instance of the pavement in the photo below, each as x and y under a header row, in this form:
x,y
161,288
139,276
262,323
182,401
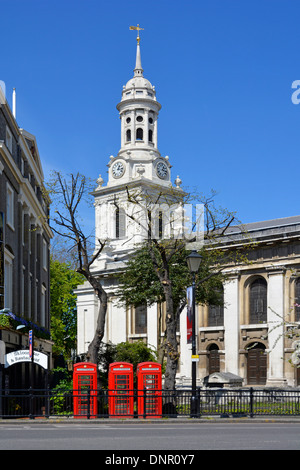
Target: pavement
x,y
180,420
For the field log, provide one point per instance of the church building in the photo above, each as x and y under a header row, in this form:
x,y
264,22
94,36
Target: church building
x,y
251,335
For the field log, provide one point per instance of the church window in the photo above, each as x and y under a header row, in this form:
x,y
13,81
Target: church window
x,y
128,135
160,224
128,120
258,301
150,135
139,134
120,223
151,120
139,119
141,319
216,312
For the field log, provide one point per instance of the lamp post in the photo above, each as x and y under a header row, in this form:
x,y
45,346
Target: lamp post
x,y
193,261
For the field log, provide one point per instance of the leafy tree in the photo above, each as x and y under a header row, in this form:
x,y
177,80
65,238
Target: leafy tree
x,y
158,271
63,281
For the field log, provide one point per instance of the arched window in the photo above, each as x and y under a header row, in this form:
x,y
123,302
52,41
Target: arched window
x,y
139,133
297,299
216,312
150,135
258,301
128,135
120,223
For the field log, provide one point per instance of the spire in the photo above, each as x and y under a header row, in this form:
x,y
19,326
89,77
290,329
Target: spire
x,y
138,71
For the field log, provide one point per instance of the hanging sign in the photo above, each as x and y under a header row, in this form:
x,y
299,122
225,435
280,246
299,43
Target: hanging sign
x,y
23,355
189,315
30,337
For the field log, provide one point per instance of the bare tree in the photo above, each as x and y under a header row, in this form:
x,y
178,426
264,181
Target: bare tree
x,y
66,197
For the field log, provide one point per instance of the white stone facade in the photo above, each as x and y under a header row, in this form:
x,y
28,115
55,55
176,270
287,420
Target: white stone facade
x,y
236,341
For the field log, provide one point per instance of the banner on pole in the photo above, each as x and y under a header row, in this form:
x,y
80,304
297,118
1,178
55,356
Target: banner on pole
x,y
189,317
30,343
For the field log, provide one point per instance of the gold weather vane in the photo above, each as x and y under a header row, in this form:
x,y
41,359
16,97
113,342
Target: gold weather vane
x,y
138,29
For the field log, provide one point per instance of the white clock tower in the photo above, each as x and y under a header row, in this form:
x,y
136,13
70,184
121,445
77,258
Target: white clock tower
x,y
137,166
138,155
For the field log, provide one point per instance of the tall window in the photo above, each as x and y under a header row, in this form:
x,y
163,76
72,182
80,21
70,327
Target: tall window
x,y
141,319
158,225
43,305
8,279
9,205
8,139
258,301
128,135
139,133
216,312
120,223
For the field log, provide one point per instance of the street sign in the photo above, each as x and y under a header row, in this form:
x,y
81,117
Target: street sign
x,y
23,356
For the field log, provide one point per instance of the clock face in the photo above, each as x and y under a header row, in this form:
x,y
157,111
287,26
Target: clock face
x,y
162,170
118,170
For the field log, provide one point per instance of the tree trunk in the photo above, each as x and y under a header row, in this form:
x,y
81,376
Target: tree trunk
x,y
171,343
93,348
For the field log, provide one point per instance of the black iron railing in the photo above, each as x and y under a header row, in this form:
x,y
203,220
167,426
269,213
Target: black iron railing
x,y
148,403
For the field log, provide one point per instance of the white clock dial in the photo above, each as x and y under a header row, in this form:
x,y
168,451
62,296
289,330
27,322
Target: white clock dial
x,y
162,170
118,169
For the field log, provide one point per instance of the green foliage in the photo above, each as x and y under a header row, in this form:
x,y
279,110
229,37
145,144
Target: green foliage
x,y
61,391
134,353
4,321
139,284
63,281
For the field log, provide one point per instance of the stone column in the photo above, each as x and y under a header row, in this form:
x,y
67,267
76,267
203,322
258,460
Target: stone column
x,y
185,351
117,322
123,139
152,326
87,314
275,300
231,324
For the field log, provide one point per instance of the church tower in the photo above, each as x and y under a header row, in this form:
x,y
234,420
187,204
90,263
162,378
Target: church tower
x,y
138,164
139,154
139,167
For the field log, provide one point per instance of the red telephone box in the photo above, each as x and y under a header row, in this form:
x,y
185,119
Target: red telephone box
x,y
120,393
149,384
85,390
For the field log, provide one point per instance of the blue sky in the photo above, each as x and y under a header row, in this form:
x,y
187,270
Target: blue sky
x,y
222,69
